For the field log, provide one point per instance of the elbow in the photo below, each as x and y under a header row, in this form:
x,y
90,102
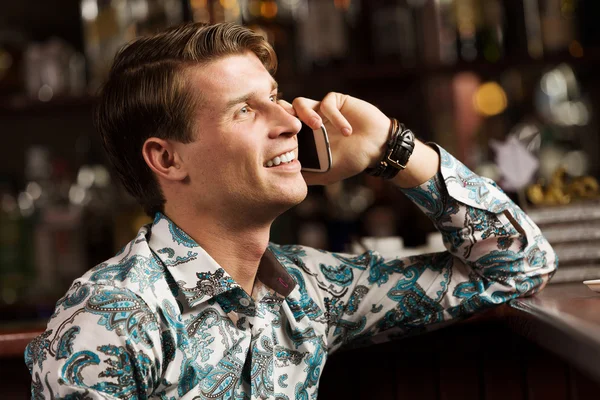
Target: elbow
x,y
541,263
544,257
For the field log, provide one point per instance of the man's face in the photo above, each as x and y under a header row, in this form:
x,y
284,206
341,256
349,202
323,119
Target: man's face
x,y
238,129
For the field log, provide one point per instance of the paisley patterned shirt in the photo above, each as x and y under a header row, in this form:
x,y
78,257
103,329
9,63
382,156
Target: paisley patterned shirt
x,y
163,320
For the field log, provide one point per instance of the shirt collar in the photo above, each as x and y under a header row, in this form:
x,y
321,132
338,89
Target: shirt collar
x,y
198,276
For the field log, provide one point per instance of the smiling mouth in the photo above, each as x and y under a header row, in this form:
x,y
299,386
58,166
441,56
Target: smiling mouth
x,y
284,158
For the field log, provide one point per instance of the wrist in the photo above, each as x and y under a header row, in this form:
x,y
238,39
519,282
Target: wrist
x,y
424,164
386,130
396,153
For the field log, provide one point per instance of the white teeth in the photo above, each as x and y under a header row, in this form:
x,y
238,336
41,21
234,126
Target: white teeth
x,y
284,158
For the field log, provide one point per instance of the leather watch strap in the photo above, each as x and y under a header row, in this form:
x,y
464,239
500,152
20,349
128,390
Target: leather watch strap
x,y
399,149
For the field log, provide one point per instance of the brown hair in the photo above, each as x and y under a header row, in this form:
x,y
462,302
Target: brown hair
x,y
146,96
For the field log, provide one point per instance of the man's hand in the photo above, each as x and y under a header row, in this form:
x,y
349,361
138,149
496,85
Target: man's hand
x,y
358,132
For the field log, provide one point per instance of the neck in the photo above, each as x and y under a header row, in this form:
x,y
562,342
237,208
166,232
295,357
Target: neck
x,y
237,249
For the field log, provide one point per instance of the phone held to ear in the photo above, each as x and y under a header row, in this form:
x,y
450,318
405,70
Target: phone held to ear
x,y
314,152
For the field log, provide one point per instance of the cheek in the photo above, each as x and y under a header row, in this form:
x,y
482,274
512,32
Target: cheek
x,y
202,163
229,153
244,152
232,164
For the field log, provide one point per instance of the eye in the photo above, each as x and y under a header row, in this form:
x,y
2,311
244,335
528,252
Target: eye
x,y
275,97
244,110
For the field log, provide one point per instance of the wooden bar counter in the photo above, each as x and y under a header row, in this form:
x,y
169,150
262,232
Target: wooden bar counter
x,y
542,347
564,319
14,376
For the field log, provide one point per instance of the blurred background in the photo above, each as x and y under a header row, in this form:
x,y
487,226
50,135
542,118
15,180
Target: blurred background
x,y
509,87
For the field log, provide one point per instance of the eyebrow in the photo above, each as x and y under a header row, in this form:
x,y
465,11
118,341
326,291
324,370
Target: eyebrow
x,y
244,98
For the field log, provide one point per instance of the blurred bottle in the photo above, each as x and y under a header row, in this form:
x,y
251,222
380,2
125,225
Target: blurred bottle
x,y
557,24
224,10
58,244
492,30
199,11
394,32
533,28
53,68
276,22
322,32
93,193
468,24
438,27
109,24
480,29
150,16
38,174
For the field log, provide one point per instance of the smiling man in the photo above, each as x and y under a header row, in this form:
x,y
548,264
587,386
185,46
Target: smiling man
x,y
199,305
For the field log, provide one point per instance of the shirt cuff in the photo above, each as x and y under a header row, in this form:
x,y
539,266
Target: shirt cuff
x,y
457,181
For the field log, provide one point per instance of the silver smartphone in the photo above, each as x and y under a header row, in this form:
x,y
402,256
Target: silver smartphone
x,y
314,152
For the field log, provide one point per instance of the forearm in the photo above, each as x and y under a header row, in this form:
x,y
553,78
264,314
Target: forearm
x,y
483,228
495,253
423,164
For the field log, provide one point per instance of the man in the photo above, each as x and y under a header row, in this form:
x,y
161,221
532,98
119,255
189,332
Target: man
x,y
200,305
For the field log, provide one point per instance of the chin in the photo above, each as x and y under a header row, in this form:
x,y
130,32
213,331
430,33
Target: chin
x,y
293,196
301,196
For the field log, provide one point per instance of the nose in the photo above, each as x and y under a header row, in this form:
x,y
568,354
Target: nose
x,y
283,123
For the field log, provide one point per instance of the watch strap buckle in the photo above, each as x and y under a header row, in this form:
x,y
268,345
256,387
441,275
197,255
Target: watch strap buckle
x,y
394,163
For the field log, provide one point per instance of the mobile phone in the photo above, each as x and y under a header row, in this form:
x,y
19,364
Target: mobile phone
x,y
314,152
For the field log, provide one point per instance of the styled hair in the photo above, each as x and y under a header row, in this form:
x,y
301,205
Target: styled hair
x,y
146,95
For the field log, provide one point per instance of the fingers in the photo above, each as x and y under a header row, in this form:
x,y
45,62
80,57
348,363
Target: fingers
x,y
305,110
314,113
287,107
330,108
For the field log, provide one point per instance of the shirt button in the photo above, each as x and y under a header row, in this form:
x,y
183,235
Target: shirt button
x,y
244,302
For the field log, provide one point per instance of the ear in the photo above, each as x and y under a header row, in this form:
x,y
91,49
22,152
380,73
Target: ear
x,y
161,157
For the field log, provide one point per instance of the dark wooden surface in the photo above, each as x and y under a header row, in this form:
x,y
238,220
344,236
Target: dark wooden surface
x,y
564,319
544,347
571,304
13,340
483,360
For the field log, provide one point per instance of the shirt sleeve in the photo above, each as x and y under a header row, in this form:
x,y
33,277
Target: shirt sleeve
x,y
101,343
494,253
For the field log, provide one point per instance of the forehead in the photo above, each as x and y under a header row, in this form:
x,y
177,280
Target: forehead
x,y
230,76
